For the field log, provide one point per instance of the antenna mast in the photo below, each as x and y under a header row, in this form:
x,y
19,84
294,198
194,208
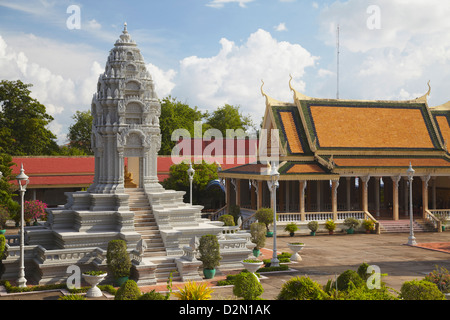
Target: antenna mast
x,y
337,64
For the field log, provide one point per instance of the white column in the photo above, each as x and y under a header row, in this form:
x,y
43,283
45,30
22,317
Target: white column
x,y
348,186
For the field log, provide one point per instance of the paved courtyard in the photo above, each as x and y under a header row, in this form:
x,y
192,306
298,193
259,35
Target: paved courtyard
x,y
325,256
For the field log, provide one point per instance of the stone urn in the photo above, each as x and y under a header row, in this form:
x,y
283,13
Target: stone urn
x,y
295,248
252,265
94,280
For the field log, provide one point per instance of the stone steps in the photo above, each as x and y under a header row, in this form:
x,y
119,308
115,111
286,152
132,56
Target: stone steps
x,y
145,224
402,226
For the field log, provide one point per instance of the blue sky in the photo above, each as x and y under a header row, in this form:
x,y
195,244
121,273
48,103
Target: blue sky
x,y
211,52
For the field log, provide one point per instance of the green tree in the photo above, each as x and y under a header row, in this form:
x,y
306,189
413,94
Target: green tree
x,y
80,133
6,188
228,117
178,179
23,122
176,115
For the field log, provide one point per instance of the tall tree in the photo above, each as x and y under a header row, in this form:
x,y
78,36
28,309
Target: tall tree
x,y
80,133
23,122
176,115
228,117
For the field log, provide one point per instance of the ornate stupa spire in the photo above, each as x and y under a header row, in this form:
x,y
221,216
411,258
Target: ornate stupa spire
x,y
126,113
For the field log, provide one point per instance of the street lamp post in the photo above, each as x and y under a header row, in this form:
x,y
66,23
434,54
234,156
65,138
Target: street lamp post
x,y
273,184
22,180
411,239
191,173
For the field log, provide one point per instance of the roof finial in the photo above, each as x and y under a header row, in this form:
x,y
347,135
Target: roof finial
x,y
125,28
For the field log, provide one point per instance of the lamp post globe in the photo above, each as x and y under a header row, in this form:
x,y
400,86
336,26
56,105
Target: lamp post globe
x,y
22,180
191,173
411,238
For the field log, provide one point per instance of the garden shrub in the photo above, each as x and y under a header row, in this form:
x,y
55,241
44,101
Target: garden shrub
x,y
247,286
258,234
118,259
347,277
265,215
194,291
72,297
441,277
420,290
362,271
153,295
128,291
228,220
209,250
301,288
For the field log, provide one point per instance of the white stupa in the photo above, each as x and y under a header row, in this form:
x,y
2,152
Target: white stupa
x,y
159,228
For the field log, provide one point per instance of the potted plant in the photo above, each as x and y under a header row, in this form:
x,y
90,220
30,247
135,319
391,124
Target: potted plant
x,y
4,216
118,261
209,250
265,215
330,225
296,247
258,237
351,224
313,226
94,278
368,225
291,228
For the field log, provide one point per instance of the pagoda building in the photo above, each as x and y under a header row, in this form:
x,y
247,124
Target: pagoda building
x,y
348,158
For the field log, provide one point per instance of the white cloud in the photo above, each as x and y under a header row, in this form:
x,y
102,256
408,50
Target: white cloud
x,y
410,47
221,3
60,75
163,80
281,27
234,75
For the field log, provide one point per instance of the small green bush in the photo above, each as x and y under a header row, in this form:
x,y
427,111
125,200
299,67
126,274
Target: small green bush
x,y
153,295
347,277
352,223
265,215
72,297
228,220
118,259
258,234
209,249
313,226
441,277
247,286
362,271
420,290
128,291
301,288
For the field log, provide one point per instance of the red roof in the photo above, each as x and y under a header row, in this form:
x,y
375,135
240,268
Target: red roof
x,y
60,172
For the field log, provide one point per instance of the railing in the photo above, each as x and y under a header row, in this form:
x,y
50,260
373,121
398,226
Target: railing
x,y
314,216
216,215
444,213
433,220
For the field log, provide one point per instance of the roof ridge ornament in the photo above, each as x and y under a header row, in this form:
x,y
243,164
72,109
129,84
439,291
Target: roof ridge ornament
x,y
424,97
298,95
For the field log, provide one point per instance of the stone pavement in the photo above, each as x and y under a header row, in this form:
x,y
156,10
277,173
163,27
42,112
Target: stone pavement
x,y
326,256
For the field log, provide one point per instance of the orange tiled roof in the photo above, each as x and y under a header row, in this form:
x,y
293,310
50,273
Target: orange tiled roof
x,y
291,131
305,168
370,127
391,162
444,127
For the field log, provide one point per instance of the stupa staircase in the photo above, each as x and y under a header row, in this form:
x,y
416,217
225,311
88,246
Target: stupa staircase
x,y
145,224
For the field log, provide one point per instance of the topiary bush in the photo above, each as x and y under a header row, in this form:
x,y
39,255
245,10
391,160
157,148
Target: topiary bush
x,y
258,234
228,220
128,291
344,279
301,288
209,250
420,290
118,259
265,215
247,286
